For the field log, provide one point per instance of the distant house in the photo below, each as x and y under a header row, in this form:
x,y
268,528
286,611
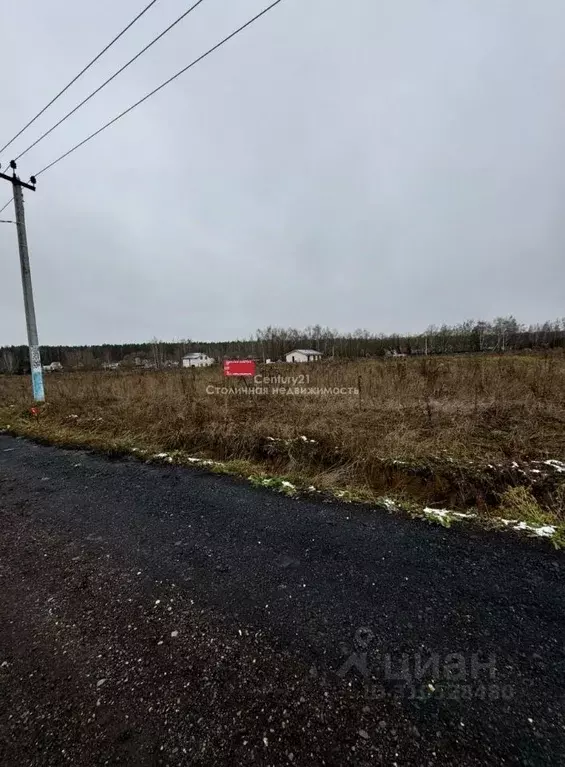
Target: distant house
x,y
303,355
54,367
110,365
197,360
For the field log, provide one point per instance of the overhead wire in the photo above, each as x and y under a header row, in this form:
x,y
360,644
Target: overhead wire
x,y
76,77
160,87
109,80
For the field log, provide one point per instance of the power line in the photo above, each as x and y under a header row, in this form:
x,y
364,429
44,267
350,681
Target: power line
x,y
94,60
6,205
109,80
155,90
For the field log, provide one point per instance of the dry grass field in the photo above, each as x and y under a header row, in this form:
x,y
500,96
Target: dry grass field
x,y
458,431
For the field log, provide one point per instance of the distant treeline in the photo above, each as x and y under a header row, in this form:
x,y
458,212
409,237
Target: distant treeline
x,y
272,343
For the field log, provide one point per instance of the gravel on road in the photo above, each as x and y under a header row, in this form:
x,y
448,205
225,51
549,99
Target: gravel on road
x,y
157,615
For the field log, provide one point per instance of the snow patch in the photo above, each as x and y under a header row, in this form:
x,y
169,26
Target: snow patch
x,y
164,456
543,531
559,466
447,514
506,522
440,513
302,437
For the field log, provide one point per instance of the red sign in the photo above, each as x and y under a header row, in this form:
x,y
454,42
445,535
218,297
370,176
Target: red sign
x,y
239,368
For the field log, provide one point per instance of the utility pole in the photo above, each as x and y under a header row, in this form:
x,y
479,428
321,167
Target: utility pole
x,y
34,355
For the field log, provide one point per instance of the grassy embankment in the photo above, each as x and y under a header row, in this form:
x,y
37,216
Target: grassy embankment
x,y
455,433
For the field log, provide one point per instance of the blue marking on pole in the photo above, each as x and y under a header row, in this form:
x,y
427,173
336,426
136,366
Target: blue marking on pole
x,y
37,384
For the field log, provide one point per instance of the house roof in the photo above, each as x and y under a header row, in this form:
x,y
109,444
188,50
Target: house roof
x,y
306,351
194,355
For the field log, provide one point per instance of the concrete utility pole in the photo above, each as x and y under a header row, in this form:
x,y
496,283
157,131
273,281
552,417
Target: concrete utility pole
x,y
34,355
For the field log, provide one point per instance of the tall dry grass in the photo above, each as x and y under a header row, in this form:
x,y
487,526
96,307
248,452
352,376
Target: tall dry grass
x,y
425,412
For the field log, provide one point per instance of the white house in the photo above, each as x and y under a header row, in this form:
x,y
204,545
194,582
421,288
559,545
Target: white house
x,y
197,360
53,367
303,355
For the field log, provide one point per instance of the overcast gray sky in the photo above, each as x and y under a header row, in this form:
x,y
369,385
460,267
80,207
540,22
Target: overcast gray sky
x,y
372,163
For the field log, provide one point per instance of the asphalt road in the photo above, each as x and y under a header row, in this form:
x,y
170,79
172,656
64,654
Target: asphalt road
x,y
165,616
